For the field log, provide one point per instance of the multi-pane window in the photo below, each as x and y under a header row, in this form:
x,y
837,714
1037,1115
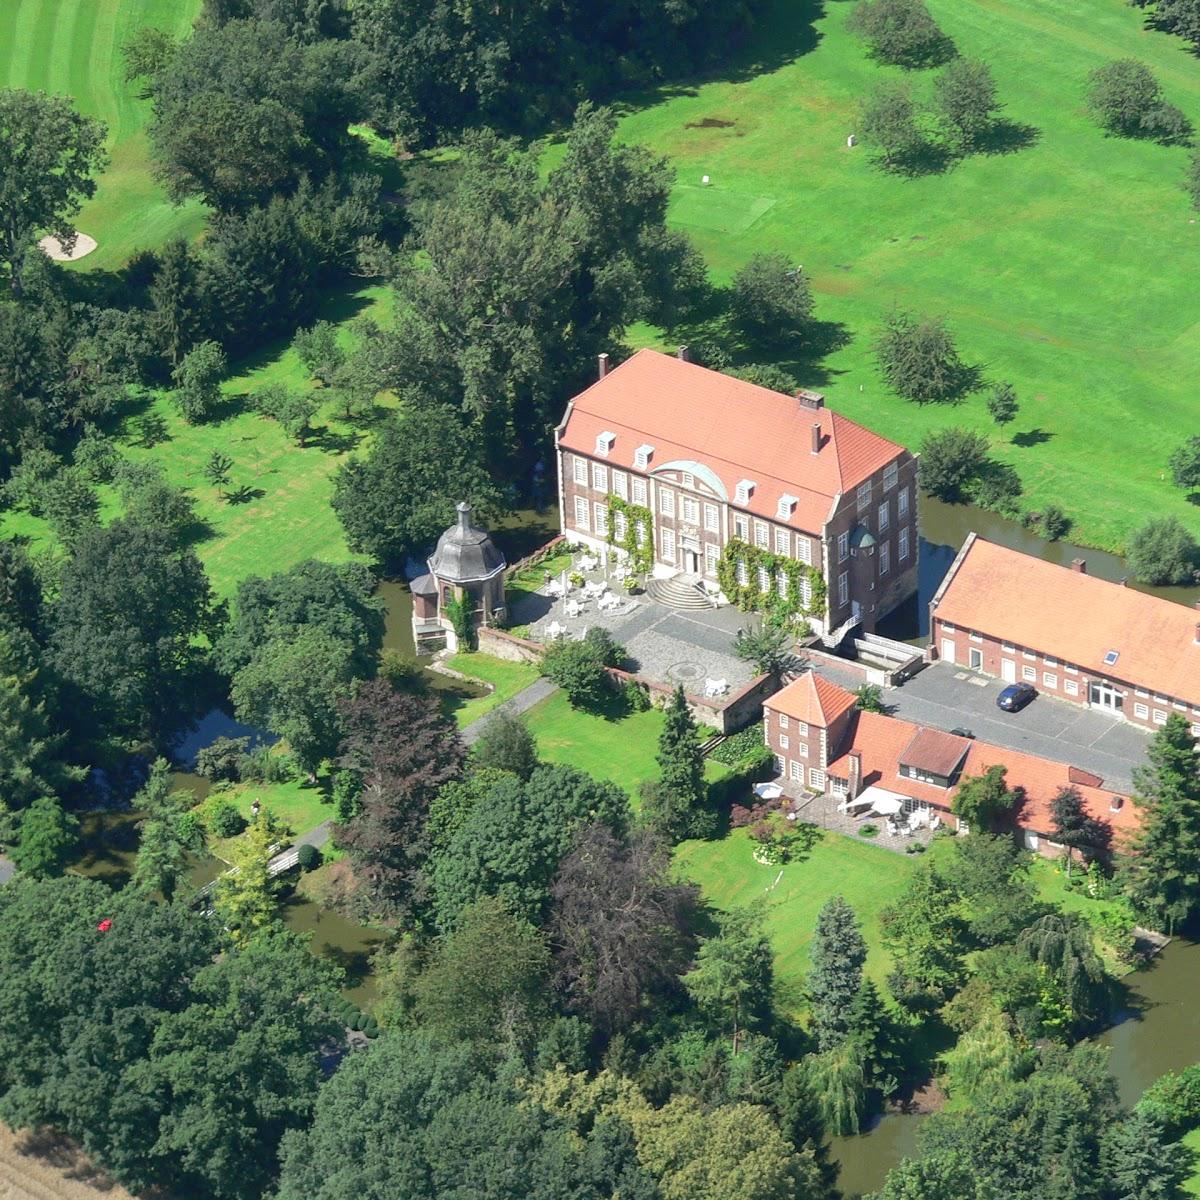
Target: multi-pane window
x,y
885,517
864,496
783,541
802,749
803,549
764,580
902,503
891,473
743,575
691,509
805,591
579,467
741,527
1049,679
844,587
600,515
712,518
885,558
781,583
620,526
843,546
666,502
1029,673
666,541
796,771
638,488
621,484
783,720
599,477
904,543
816,778
581,513
762,535
711,556
784,743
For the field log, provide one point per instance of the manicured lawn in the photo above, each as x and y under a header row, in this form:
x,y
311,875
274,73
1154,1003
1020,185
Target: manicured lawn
x,y
289,517
1065,266
622,749
507,679
870,878
73,47
300,806
1192,1142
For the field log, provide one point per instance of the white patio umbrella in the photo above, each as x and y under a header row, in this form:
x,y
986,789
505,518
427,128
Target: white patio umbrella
x,y
887,806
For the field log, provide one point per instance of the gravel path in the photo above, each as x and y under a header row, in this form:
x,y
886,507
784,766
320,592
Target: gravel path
x,y
523,701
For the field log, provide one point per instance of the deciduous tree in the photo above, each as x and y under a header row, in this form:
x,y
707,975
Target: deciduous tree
x,y
951,460
46,838
506,744
131,610
1127,100
964,96
1162,551
1073,827
1002,403
247,895
49,154
197,381
619,925
771,299
983,800
901,32
398,497
888,120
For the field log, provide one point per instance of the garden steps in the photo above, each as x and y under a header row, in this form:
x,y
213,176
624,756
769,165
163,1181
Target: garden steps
x,y
680,591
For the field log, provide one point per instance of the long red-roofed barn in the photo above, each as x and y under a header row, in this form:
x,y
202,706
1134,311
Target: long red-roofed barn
x,y
723,467
1086,640
822,743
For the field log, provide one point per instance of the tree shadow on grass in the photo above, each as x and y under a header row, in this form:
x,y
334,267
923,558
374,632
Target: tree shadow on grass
x,y
1193,498
1007,137
928,158
196,531
243,495
783,32
1031,437
804,360
333,442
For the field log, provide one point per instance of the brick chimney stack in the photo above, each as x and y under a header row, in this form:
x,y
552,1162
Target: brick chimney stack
x,y
1080,565
808,399
603,365
816,437
854,782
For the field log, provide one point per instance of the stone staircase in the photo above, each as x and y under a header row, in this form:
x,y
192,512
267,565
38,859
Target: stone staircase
x,y
680,591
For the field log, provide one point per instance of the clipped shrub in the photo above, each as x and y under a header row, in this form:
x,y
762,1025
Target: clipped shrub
x,y
1173,1101
224,821
308,856
868,830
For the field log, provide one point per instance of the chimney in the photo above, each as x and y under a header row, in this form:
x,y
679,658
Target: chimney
x,y
1116,804
603,365
1123,581
1196,637
854,783
816,438
683,354
1080,565
809,399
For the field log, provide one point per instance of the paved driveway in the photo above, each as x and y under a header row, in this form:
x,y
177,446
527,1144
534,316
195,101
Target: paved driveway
x,y
945,697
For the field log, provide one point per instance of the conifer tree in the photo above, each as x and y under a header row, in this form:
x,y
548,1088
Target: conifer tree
x,y
799,1116
1163,873
676,803
176,320
838,954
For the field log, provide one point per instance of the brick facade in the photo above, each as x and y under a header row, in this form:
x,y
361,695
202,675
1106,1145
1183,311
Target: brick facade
x,y
1052,676
693,523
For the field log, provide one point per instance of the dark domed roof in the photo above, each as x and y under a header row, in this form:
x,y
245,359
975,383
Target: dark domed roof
x,y
465,553
861,538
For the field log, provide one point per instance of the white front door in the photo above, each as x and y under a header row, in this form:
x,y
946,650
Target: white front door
x,y
1008,670
947,650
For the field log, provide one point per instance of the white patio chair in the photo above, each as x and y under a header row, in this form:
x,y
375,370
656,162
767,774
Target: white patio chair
x,y
572,608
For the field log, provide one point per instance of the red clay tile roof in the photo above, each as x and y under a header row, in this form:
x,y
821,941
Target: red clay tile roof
x,y
881,740
934,751
739,430
1077,618
811,699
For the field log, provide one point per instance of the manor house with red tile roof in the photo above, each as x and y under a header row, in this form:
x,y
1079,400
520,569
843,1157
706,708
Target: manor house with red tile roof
x,y
713,468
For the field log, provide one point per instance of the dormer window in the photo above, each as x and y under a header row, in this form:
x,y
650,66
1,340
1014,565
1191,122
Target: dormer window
x,y
604,443
642,456
786,504
741,494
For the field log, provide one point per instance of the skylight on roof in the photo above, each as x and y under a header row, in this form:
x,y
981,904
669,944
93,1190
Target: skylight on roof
x,y
1110,659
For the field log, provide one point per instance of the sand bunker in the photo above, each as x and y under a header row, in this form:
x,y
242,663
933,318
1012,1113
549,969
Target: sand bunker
x,y
84,245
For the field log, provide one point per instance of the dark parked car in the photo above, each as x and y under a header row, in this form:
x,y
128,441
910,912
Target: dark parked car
x,y
959,731
1016,696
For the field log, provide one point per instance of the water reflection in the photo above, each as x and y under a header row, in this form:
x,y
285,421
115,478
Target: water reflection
x,y
864,1161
